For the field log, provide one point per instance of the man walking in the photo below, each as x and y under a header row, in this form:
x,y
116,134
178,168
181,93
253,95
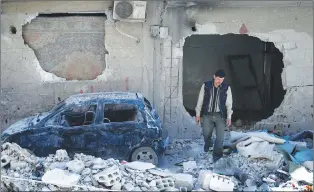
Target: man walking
x,y
215,103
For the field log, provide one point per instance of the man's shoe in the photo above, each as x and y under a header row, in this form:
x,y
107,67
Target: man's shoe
x,y
206,147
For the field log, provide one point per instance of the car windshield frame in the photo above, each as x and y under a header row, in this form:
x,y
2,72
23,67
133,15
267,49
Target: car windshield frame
x,y
57,107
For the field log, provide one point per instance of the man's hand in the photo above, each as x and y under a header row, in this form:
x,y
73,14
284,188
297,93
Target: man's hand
x,y
198,119
228,122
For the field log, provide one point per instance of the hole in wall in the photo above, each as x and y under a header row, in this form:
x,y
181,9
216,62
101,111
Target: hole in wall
x,y
69,45
13,30
253,70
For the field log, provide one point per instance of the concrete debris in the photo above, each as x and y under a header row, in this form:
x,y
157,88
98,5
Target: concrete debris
x,y
176,172
61,177
158,172
109,176
61,155
184,180
189,166
5,159
76,166
142,166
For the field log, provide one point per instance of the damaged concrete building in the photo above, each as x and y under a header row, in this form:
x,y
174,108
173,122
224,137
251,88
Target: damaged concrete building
x,y
165,50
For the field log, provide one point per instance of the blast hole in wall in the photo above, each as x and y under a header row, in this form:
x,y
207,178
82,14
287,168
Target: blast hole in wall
x,y
253,70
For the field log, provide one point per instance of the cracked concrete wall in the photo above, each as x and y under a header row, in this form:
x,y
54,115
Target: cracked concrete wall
x,y
27,89
291,30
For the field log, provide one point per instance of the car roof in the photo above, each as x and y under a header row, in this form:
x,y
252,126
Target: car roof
x,y
84,97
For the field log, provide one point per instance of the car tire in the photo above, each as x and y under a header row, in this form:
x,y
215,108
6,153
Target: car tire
x,y
145,154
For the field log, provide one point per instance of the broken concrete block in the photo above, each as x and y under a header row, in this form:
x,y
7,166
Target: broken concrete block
x,y
17,165
109,176
87,179
61,155
152,183
116,186
184,180
5,159
128,186
164,183
86,171
159,172
45,189
99,163
189,166
60,177
76,166
58,165
138,165
52,188
250,182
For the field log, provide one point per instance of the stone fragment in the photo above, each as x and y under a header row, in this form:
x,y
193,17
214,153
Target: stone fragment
x,y
189,166
52,188
61,177
128,186
45,189
99,164
76,166
87,179
61,155
58,165
152,183
184,180
116,186
18,165
138,165
159,172
86,171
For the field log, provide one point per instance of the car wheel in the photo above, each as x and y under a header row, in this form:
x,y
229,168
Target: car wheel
x,y
145,154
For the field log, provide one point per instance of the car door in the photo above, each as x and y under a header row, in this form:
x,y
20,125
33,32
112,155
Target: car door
x,y
79,132
122,129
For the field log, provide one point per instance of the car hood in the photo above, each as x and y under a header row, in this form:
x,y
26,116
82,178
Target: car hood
x,y
25,123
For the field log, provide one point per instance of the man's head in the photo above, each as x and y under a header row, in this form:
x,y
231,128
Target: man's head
x,y
219,77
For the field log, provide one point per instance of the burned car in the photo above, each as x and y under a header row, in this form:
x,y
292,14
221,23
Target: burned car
x,y
118,125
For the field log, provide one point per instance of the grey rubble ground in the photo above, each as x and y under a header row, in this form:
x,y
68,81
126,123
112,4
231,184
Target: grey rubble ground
x,y
85,172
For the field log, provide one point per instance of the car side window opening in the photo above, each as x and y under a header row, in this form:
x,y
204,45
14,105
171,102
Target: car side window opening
x,y
121,112
79,115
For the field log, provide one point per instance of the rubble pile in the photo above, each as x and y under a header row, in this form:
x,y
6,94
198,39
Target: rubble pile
x,y
25,172
185,167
